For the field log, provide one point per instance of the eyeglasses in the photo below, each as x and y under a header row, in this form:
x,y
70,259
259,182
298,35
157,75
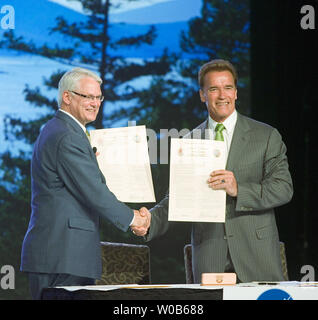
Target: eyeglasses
x,y
90,98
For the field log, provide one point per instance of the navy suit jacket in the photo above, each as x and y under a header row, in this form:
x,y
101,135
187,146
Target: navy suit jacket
x,y
69,195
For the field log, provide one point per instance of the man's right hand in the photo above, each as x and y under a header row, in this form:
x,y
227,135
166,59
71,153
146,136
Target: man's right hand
x,y
141,222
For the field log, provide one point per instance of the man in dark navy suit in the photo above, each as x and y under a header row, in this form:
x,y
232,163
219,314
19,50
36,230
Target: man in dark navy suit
x,y
69,193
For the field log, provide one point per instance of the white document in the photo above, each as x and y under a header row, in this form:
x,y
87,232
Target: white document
x,y
124,160
191,163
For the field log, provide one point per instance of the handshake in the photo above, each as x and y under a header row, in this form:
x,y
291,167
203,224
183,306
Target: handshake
x,y
141,222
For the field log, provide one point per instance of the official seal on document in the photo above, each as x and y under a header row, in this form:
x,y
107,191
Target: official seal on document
x,y
137,138
216,153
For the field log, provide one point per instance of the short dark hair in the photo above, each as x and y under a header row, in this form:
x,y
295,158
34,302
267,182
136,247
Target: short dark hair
x,y
216,65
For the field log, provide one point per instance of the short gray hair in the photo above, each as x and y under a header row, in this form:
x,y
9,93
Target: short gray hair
x,y
70,79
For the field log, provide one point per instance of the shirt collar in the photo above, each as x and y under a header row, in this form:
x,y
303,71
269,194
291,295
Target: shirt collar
x,y
83,127
229,122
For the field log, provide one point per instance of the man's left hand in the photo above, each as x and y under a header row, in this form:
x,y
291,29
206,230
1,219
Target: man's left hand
x,y
223,179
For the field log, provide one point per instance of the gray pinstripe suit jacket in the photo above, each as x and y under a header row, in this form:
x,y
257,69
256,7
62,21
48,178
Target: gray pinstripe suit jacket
x,y
257,157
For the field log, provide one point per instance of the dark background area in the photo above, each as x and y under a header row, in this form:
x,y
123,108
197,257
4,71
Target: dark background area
x,y
284,80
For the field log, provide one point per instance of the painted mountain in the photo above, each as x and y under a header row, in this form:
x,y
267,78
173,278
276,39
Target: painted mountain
x,y
33,21
35,18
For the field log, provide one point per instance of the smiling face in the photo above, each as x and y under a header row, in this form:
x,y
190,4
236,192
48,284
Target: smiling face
x,y
83,109
219,94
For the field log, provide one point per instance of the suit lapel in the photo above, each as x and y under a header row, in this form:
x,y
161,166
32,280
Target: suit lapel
x,y
72,125
62,116
239,140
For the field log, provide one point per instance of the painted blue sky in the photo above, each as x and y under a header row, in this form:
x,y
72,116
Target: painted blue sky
x,y
33,20
146,11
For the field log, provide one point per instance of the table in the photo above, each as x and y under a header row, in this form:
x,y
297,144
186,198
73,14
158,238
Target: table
x,y
135,292
289,290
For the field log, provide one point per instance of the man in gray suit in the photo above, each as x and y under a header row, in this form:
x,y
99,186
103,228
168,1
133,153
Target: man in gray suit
x,y
256,180
69,193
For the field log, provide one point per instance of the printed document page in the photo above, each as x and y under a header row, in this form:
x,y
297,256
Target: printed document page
x,y
191,163
124,160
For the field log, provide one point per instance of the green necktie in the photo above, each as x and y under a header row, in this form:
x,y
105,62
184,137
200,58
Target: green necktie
x,y
218,132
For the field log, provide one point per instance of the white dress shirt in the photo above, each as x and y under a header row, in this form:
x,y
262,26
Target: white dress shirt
x,y
229,124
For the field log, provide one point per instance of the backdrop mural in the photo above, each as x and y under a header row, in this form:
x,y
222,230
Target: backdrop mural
x,y
148,53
